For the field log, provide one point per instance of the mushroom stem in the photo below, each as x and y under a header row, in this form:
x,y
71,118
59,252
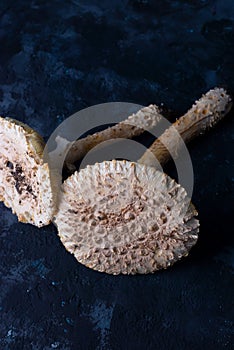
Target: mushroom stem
x,y
145,119
203,115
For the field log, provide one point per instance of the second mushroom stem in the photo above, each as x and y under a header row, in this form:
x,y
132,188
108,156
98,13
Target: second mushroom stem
x,y
204,114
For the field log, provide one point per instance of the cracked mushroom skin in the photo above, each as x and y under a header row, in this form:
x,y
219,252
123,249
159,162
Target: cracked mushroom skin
x,y
121,217
25,184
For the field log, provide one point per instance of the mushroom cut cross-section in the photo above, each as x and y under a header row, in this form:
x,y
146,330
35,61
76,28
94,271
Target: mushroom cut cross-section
x,y
25,184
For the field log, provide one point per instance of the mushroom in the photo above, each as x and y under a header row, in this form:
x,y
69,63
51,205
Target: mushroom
x,y
124,217
25,184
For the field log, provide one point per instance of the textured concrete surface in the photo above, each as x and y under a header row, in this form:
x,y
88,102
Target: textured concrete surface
x,y
59,57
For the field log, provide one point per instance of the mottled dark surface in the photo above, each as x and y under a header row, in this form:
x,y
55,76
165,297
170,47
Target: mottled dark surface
x,y
59,57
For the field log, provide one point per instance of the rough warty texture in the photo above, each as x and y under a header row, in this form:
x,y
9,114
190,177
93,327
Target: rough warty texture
x,y
203,115
123,217
25,184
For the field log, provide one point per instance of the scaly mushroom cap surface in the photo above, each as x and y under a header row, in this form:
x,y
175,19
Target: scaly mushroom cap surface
x,y
25,185
123,217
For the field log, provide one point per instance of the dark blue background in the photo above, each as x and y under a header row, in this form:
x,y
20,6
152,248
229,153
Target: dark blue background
x,y
58,57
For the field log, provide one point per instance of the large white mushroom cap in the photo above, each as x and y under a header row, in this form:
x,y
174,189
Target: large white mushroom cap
x,y
123,217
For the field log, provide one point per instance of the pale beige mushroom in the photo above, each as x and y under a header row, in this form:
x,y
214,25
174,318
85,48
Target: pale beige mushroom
x,y
25,184
123,217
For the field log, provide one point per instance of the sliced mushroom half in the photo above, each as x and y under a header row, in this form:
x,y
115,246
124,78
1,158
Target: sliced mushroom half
x,y
25,184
